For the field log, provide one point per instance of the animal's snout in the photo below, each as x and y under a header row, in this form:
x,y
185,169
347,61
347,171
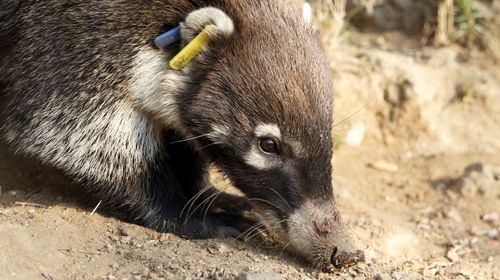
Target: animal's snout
x,y
318,224
343,258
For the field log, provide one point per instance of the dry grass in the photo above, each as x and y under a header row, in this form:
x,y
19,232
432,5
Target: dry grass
x,y
445,23
330,16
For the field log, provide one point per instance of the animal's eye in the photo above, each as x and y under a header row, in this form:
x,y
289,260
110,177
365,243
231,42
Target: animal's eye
x,y
269,146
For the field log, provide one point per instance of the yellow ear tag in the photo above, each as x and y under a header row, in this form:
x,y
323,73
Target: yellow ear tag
x,y
192,49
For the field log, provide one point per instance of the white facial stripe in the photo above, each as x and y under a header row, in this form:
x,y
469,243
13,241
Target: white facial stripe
x,y
260,161
296,147
219,133
263,130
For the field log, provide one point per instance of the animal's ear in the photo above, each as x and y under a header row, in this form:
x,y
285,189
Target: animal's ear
x,y
197,20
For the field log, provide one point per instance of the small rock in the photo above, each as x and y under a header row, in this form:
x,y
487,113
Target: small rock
x,y
388,139
30,213
218,249
491,217
108,246
473,241
454,215
359,221
493,234
125,239
259,276
479,179
353,272
383,276
145,272
384,166
452,255
124,231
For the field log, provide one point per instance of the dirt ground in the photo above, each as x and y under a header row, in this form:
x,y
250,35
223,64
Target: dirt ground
x,y
417,178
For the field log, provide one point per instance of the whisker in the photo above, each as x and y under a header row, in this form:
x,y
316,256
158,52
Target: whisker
x,y
253,233
350,117
190,213
278,194
217,194
266,201
193,199
284,247
258,224
206,146
189,139
198,206
267,224
213,200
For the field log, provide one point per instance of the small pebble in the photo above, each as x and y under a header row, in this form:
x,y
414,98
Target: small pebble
x,y
493,234
124,231
454,215
384,166
452,255
491,217
30,213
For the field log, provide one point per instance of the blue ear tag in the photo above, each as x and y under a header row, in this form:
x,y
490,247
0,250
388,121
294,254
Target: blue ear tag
x,y
168,38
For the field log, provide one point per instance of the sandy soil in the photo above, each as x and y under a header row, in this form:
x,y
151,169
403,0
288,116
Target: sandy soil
x,y
420,190
416,222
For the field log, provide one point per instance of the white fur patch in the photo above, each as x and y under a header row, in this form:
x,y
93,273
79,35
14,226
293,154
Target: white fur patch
x,y
307,13
106,146
196,21
268,130
154,87
260,161
297,147
219,133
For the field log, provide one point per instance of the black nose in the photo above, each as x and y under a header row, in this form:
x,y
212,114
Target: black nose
x,y
343,259
332,257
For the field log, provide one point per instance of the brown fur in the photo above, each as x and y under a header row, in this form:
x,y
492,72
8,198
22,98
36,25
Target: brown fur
x,y
70,71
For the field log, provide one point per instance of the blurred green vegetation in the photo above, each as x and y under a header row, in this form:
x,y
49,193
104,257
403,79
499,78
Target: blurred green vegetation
x,y
467,21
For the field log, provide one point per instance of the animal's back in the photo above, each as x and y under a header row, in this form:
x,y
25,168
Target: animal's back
x,y
65,74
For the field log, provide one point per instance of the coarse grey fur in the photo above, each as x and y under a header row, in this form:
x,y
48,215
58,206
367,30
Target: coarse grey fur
x,y
87,92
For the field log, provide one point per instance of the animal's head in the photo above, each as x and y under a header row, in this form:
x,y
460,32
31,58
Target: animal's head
x,y
266,107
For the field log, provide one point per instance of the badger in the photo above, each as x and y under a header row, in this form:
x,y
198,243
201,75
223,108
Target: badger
x,y
85,90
